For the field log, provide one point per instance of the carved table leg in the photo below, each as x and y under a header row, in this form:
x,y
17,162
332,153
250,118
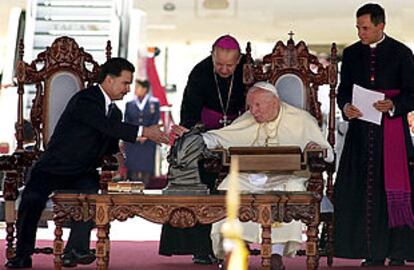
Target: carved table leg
x,y
312,260
58,246
10,228
108,244
102,221
101,248
10,252
10,193
266,247
329,242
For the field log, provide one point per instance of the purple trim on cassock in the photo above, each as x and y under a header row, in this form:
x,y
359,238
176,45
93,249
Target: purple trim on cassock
x,y
211,119
396,176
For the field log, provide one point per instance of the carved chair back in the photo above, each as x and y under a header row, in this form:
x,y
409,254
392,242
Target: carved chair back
x,y
297,75
57,74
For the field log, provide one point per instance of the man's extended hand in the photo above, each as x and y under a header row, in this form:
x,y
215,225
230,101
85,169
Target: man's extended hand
x,y
178,130
384,105
155,134
351,111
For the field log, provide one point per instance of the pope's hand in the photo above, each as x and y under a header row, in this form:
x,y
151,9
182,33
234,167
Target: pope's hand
x,y
313,146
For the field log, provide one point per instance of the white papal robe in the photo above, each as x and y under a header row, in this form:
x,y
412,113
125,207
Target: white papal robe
x,y
292,127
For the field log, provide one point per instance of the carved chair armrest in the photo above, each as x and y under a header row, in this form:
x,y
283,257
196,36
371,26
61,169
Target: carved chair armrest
x,y
216,163
316,165
109,167
7,162
15,167
109,163
314,159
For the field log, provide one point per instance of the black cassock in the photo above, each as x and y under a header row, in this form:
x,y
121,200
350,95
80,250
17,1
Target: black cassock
x,y
361,216
201,104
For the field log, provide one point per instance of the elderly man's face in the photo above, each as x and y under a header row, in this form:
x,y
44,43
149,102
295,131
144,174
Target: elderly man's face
x,y
263,105
225,61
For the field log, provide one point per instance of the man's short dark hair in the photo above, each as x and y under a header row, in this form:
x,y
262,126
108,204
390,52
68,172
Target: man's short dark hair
x,y
114,67
376,12
143,83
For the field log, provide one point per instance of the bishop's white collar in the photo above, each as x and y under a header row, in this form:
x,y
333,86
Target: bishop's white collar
x,y
374,45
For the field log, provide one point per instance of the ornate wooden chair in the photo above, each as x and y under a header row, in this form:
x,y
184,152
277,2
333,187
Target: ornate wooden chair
x,y
56,74
297,74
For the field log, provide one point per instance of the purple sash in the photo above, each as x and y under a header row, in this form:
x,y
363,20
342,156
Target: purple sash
x,y
396,174
211,119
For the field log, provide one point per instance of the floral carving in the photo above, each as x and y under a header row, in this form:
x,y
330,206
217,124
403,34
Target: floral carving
x,y
304,213
183,218
64,50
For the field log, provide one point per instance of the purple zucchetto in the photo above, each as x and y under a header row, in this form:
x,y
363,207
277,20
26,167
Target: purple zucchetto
x,y
227,42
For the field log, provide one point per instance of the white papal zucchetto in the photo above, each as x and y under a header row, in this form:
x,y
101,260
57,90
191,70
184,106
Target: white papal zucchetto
x,y
266,86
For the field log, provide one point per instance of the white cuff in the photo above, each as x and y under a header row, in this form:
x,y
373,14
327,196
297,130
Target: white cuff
x,y
344,107
140,129
392,111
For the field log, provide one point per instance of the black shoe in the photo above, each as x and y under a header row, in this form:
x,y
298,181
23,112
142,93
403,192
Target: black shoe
x,y
73,258
204,259
19,262
371,262
396,262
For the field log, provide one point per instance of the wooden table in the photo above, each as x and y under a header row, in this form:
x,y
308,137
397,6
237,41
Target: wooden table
x,y
185,212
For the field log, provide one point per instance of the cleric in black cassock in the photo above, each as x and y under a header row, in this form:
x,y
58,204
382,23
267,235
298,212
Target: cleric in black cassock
x,y
373,189
214,96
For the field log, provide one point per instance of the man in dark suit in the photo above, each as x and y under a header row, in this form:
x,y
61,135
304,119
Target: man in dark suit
x,y
89,127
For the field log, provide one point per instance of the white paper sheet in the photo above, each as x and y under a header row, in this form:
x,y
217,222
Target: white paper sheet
x,y
364,100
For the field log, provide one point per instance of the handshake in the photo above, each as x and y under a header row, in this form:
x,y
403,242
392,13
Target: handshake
x,y
154,133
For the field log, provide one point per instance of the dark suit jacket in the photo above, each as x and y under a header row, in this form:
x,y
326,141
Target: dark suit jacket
x,y
84,134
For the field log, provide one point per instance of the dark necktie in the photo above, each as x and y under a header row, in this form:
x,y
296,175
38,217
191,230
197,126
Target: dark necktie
x,y
110,109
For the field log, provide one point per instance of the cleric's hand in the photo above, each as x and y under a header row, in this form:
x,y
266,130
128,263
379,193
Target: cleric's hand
x,y
351,111
384,105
